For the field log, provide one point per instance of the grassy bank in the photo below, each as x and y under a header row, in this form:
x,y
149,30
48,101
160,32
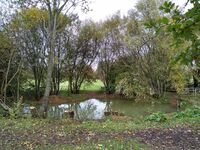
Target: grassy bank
x,y
111,133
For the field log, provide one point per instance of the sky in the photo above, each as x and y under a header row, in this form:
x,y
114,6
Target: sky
x,y
102,9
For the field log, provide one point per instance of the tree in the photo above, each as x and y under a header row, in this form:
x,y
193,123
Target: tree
x,y
10,67
109,50
54,9
29,31
146,55
82,49
10,62
184,27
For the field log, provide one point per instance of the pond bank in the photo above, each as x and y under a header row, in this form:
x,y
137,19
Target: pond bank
x,y
68,134
169,97
84,95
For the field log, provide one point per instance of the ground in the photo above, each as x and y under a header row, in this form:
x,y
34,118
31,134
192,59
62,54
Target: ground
x,y
111,134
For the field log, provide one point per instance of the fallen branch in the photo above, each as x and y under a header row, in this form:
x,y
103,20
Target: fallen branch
x,y
5,107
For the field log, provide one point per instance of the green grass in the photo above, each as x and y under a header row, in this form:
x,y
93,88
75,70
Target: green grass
x,y
48,127
28,90
85,88
107,125
94,86
39,127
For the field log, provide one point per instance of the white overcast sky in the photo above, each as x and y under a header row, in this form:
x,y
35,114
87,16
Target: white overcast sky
x,y
101,9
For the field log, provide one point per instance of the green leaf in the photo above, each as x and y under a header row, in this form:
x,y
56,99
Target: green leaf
x,y
164,20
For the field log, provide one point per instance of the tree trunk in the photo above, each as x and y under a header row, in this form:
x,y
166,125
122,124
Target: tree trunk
x,y
52,36
48,84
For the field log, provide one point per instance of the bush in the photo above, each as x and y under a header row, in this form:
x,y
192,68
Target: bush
x,y
190,112
16,110
157,117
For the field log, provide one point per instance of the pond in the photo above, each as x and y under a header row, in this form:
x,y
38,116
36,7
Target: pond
x,y
94,109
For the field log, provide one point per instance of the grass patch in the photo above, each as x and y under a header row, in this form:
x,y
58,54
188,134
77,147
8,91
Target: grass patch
x,y
108,125
94,86
58,134
28,90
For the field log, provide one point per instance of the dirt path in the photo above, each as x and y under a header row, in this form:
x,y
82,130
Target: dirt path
x,y
167,139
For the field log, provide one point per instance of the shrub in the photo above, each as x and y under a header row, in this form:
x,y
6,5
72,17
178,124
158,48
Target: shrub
x,y
16,110
157,117
190,112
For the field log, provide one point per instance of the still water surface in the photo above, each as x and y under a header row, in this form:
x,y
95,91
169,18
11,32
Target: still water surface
x,y
94,109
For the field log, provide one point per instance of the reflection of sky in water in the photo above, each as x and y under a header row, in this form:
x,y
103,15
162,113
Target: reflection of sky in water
x,y
90,109
26,109
96,106
64,106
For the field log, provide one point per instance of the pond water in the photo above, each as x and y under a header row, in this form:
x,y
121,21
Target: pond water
x,y
94,109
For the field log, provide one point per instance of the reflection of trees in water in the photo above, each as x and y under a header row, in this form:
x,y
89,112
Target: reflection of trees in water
x,y
55,111
87,111
93,109
108,106
71,106
82,112
76,108
58,111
